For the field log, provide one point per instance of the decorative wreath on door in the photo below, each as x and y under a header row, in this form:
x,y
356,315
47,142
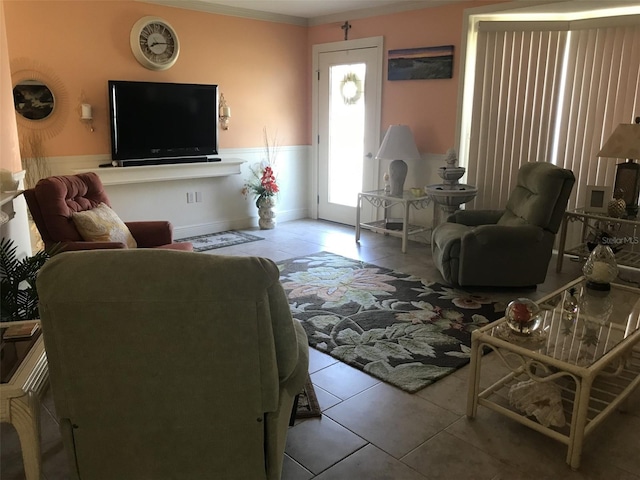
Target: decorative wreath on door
x,y
351,88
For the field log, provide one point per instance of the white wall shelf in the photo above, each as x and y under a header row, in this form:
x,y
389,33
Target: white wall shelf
x,y
163,173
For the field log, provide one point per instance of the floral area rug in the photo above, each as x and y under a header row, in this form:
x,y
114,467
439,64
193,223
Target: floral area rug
x,y
210,241
404,330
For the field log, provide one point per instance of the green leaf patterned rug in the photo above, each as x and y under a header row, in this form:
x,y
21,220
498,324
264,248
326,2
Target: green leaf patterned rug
x,y
404,330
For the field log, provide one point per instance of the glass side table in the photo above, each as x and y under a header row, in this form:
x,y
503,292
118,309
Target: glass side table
x,y
25,375
402,229
626,236
582,364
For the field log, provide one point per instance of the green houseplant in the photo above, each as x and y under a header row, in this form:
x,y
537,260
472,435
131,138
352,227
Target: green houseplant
x,y
18,282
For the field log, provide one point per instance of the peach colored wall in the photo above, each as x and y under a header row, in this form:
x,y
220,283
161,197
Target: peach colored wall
x,y
9,149
261,67
427,106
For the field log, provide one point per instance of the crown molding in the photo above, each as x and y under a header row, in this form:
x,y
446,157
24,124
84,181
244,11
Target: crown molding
x,y
210,7
377,11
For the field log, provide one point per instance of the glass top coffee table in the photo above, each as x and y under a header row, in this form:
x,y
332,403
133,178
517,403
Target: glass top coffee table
x,y
572,373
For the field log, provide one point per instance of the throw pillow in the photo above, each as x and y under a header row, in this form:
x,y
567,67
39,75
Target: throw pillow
x,y
101,224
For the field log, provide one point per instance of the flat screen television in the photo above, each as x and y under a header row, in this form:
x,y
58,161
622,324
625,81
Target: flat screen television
x,y
172,121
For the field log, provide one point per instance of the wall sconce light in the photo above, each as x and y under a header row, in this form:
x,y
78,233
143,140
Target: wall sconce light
x,y
225,113
86,115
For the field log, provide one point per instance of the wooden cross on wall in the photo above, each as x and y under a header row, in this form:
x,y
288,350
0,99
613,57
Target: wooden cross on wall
x,y
346,26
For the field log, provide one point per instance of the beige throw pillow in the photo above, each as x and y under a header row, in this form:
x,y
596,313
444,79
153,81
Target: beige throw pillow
x,y
101,224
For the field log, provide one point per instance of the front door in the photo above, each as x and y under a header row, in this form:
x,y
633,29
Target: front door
x,y
348,126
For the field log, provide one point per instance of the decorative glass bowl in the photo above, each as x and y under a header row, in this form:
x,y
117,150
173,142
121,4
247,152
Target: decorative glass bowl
x,y
523,316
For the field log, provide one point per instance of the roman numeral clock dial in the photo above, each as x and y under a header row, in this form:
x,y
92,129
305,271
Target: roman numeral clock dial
x,y
154,43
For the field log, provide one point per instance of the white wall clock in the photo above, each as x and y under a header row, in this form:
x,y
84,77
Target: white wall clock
x,y
154,43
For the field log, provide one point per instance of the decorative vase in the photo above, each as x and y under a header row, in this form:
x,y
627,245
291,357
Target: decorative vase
x,y
601,268
617,208
266,213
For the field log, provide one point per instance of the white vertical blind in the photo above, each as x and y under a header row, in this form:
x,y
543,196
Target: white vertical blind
x,y
603,85
550,91
517,82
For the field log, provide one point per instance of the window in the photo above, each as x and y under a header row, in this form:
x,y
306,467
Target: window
x,y
538,90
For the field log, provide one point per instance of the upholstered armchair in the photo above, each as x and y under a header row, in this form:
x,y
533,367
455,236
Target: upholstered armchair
x,y
510,247
74,212
167,365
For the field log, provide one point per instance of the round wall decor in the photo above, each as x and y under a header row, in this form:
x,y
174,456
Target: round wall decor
x,y
33,99
40,98
154,43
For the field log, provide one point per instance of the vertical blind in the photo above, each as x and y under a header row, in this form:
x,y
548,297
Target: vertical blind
x,y
550,91
602,91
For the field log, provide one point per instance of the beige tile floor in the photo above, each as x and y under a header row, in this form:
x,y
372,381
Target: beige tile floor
x,y
372,431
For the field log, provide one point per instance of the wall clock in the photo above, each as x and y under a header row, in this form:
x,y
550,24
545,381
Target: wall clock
x,y
154,43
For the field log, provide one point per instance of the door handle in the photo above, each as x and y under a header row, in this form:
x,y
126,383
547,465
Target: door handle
x,y
369,155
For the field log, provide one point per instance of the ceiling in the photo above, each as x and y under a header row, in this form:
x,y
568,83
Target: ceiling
x,y
303,12
314,8
316,12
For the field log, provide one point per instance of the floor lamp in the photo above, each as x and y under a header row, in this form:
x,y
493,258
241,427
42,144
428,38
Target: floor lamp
x,y
398,145
624,142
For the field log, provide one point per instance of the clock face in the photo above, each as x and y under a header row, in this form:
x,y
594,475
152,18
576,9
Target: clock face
x,y
154,43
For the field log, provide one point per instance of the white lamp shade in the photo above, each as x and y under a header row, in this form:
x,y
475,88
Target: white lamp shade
x,y
398,144
624,142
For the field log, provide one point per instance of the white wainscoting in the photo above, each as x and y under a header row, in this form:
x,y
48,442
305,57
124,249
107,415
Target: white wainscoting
x,y
222,206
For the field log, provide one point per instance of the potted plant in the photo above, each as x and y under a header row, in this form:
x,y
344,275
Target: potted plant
x,y
263,184
18,282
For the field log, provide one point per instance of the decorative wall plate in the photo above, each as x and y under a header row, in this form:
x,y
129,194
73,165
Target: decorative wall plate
x,y
33,78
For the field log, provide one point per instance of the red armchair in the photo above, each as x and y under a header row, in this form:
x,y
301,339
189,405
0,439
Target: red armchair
x,y
54,200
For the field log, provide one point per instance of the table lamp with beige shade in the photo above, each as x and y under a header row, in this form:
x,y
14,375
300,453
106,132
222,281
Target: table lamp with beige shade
x,y
398,145
624,142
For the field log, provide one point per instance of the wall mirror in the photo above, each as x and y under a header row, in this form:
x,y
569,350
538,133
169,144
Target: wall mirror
x,y
33,99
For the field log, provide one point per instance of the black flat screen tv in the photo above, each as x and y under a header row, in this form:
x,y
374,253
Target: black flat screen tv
x,y
150,120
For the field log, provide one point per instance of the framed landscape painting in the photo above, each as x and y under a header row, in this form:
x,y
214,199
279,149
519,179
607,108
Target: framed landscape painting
x,y
421,63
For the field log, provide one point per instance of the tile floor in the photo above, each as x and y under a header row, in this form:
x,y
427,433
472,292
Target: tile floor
x,y
372,431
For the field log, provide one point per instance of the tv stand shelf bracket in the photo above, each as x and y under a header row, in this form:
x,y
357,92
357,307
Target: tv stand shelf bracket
x,y
163,173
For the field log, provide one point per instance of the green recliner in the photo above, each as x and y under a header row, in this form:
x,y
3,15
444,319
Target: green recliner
x,y
170,365
511,247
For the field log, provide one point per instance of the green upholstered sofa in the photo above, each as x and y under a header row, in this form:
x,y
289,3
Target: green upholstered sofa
x,y
170,365
510,247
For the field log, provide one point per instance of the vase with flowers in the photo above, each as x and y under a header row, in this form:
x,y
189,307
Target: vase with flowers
x,y
263,185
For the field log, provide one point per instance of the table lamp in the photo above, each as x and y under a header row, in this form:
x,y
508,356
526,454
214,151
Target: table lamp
x,y
398,145
624,142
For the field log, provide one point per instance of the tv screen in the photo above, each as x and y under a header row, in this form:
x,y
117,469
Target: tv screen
x,y
162,120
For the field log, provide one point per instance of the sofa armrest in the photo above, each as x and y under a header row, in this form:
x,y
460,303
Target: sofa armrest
x,y
473,218
74,246
152,233
505,237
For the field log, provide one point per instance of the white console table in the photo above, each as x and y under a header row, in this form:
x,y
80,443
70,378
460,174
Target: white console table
x,y
162,173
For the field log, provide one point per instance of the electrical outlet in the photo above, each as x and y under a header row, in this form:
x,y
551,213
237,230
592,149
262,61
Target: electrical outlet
x,y
198,197
190,197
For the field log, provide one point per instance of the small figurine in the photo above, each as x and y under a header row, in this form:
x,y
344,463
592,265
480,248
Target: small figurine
x,y
451,158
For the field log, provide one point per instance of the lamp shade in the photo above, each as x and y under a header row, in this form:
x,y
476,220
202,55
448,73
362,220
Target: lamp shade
x,y
398,144
624,142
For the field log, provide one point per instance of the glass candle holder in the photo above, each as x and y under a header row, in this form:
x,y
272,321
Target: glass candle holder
x,y
523,316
